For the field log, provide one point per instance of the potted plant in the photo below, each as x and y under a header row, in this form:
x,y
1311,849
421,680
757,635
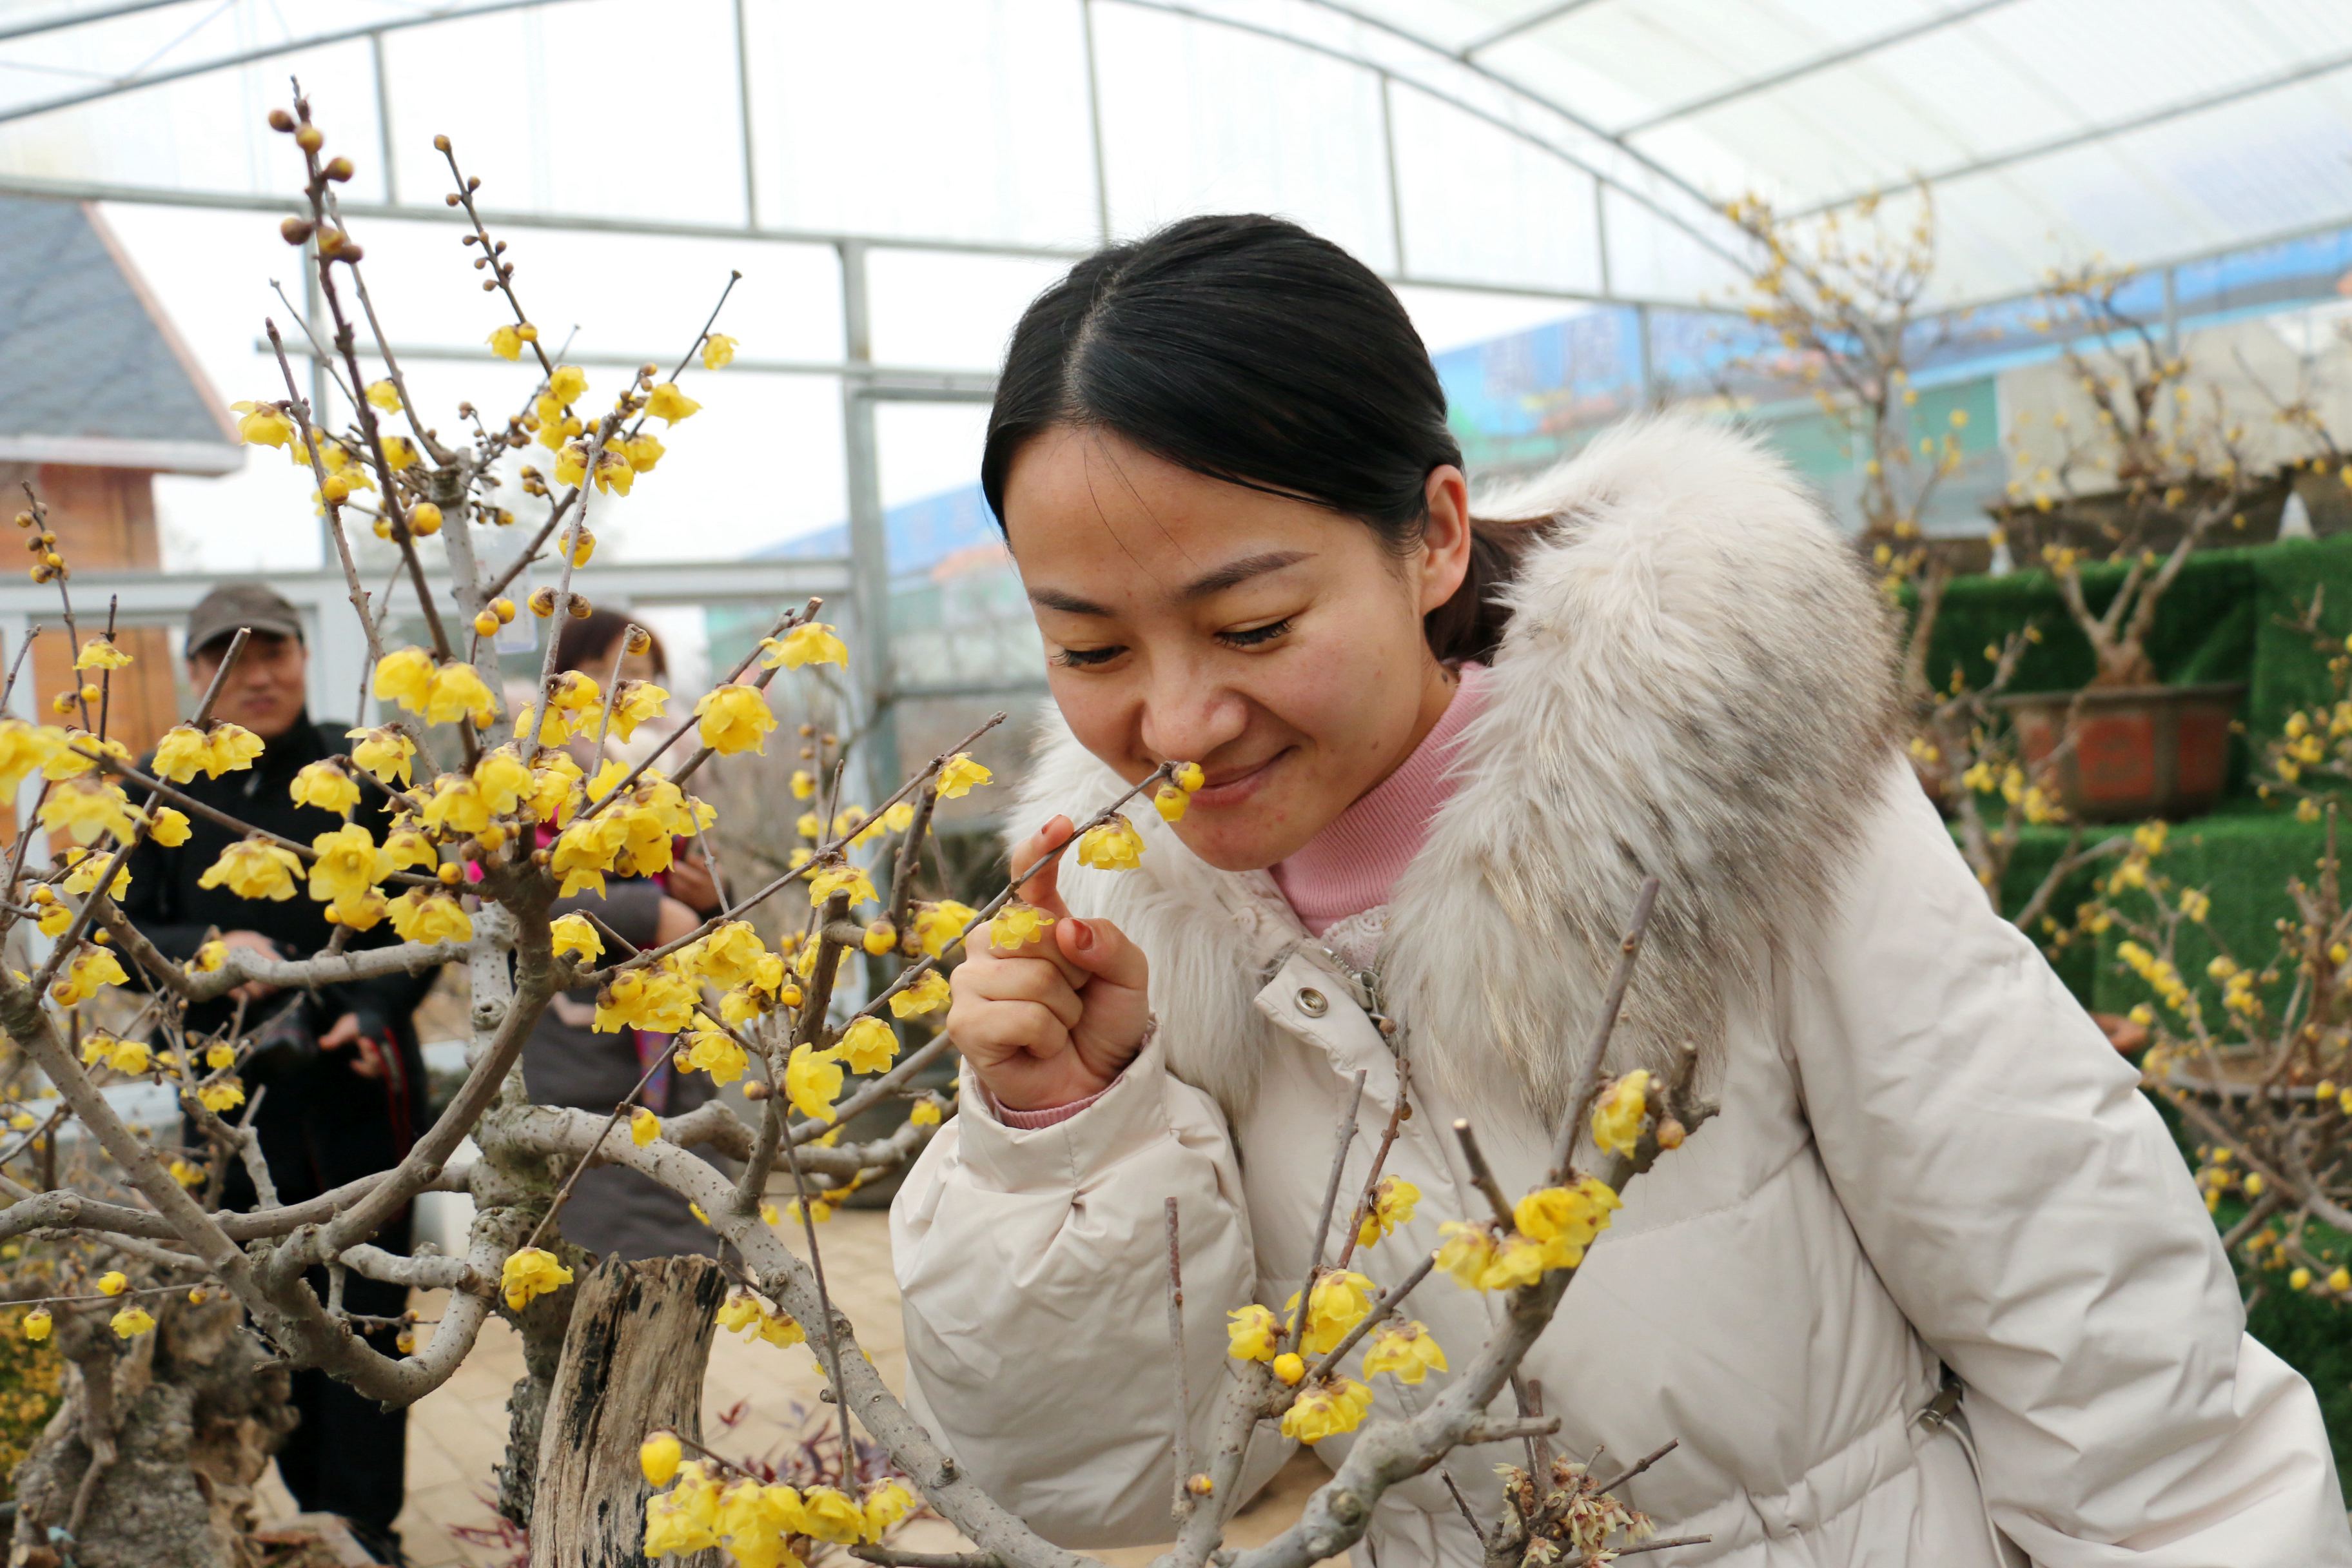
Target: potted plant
x,y
2151,473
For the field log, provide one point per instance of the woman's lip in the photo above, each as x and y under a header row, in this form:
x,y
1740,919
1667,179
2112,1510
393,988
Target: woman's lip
x,y
1234,788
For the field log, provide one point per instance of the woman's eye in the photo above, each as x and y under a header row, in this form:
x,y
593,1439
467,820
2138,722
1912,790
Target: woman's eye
x,y
1082,657
1254,636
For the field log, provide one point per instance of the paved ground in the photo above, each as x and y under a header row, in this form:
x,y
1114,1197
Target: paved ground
x,y
457,1433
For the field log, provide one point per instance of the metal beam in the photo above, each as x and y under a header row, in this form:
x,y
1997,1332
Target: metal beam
x,y
1821,62
1093,122
1389,163
743,112
383,117
1255,29
1527,24
2107,132
231,200
83,18
264,52
869,539
883,380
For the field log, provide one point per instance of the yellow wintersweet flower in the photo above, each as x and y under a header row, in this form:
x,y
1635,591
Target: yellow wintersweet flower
x,y
99,653
503,781
455,806
960,775
37,1323
567,384
734,718
223,1096
231,749
384,395
635,702
925,994
187,1176
668,402
572,933
1335,1406
1187,776
530,1273
129,1058
1252,1333
325,786
650,999
683,1520
1290,1367
253,869
507,343
1392,1204
937,925
731,954
181,754
87,810
1115,845
430,916
113,1282
209,957
925,1113
1407,1352
384,753
1170,803
645,1126
899,817
88,971
813,1082
263,425
717,350
1016,926
1566,1219
131,1323
1338,1303
714,1052
167,826
658,1455
1617,1119
868,1046
850,879
219,1055
812,642
804,783
643,450
585,851
26,748
457,693
554,790
349,864
886,1505
405,677
399,452
829,1515
1466,1252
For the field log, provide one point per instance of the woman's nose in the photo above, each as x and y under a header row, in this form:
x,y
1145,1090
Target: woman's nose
x,y
1187,717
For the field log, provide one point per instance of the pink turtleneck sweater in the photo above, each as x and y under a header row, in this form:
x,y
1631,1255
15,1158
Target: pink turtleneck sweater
x,y
1352,864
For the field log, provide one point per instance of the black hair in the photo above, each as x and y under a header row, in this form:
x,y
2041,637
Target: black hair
x,y
587,643
1248,350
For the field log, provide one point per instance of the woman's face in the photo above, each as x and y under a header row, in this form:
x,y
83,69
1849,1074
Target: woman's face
x,y
1275,643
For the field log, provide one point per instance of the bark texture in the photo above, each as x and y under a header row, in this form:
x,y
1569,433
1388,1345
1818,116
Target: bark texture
x,y
633,1361
182,1422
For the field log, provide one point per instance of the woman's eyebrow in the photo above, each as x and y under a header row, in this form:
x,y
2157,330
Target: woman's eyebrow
x,y
1235,572
1232,574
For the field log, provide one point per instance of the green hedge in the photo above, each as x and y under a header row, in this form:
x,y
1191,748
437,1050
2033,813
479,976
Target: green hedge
x,y
2221,621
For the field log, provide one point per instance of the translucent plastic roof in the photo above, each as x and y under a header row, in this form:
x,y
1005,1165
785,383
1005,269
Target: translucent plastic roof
x,y
1573,147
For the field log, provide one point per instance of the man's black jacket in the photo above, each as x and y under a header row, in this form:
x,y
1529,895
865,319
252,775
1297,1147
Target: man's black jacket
x,y
321,1124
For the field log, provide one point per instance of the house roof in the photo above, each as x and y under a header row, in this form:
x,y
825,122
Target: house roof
x,y
91,373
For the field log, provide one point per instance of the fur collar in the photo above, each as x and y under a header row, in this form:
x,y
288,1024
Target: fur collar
x,y
1697,684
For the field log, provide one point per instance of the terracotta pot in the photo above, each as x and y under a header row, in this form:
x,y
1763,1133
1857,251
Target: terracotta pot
x,y
2139,751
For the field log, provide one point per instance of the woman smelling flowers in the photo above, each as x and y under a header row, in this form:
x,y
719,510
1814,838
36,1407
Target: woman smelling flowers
x,y
1439,754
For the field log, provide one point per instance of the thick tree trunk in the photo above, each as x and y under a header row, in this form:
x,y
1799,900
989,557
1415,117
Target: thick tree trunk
x,y
633,1361
182,1422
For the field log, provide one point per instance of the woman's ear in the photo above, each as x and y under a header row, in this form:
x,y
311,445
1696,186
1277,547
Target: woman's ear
x,y
1446,539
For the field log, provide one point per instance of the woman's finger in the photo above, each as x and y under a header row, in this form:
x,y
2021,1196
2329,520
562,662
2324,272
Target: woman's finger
x,y
1044,889
1024,980
989,1032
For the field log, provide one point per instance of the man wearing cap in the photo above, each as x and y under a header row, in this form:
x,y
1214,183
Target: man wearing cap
x,y
341,1077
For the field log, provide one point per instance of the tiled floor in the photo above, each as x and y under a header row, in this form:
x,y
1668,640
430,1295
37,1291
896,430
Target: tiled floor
x,y
459,1432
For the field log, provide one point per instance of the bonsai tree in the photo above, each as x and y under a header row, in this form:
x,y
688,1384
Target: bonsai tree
x,y
485,842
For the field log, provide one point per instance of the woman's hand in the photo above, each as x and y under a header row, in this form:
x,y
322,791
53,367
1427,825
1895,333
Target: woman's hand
x,y
1055,1021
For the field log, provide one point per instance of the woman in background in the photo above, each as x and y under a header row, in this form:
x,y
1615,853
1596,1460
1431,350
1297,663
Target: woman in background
x,y
566,1061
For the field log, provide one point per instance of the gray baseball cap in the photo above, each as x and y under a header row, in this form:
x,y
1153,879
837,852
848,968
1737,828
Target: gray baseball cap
x,y
254,605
